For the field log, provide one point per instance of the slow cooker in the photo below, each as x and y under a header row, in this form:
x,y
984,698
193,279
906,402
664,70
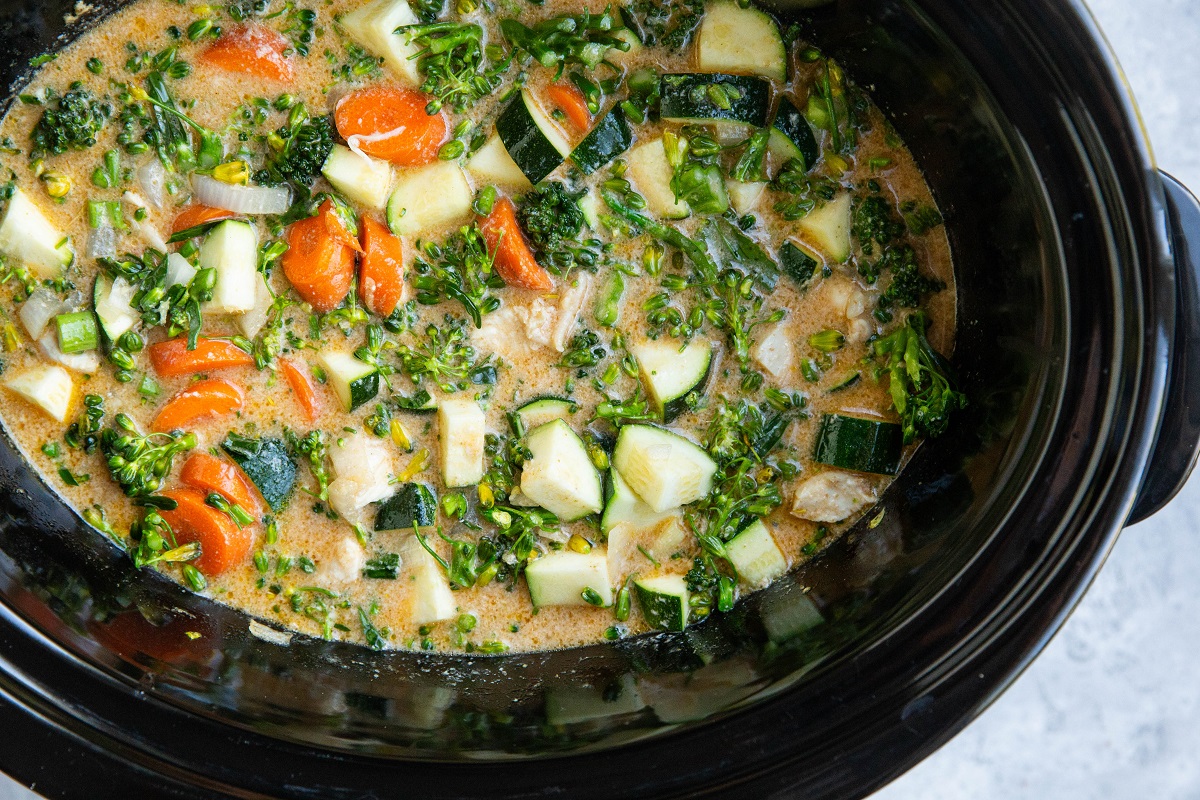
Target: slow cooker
x,y
1079,347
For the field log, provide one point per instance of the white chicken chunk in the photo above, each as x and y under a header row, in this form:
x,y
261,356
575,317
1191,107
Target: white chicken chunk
x,y
362,468
776,353
569,308
833,495
347,563
539,318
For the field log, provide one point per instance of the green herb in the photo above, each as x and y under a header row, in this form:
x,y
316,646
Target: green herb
x,y
385,566
919,379
551,216
584,350
696,180
459,269
802,193
139,463
669,23
827,341
313,447
752,164
73,122
457,69
169,132
376,639
556,42
445,357
85,433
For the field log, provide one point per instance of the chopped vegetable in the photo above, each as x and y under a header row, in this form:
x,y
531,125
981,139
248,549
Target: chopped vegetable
x,y
392,124
319,262
200,400
514,260
251,49
172,357
223,545
297,374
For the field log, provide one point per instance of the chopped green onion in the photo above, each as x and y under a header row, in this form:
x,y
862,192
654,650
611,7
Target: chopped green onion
x,y
77,332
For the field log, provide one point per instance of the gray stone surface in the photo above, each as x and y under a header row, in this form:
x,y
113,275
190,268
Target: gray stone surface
x,y
1111,709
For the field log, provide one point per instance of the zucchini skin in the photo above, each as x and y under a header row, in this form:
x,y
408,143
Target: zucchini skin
x,y
608,139
412,504
863,445
525,142
689,97
797,264
795,128
267,463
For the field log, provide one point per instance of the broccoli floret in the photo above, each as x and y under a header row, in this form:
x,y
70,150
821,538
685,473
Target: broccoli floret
x,y
908,284
72,123
554,222
299,150
875,223
918,380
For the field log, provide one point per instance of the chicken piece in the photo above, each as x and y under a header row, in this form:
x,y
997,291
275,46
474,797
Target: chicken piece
x,y
539,319
362,466
832,496
347,563
569,308
776,353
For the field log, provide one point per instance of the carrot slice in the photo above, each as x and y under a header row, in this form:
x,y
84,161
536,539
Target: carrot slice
x,y
222,544
568,99
302,386
251,50
381,274
198,214
514,260
208,473
207,398
390,123
318,262
172,358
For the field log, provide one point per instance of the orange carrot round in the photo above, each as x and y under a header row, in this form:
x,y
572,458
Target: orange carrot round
x,y
208,473
302,386
381,273
208,398
390,123
568,99
514,260
318,263
171,358
222,544
198,214
251,49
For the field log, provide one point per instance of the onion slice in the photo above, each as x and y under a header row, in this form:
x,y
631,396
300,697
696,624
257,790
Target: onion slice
x,y
152,178
241,199
36,312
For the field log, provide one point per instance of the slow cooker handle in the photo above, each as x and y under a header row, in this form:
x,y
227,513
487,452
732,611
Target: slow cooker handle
x,y
1178,441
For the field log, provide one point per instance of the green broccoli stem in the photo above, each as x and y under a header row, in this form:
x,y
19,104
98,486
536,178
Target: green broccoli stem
x,y
212,148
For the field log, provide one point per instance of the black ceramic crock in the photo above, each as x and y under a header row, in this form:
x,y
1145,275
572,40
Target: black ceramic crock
x,y
1078,346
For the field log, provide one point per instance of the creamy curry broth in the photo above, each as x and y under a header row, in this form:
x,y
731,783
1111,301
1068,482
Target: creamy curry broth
x,y
307,574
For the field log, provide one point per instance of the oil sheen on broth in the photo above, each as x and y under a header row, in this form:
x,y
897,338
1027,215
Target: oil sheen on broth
x,y
708,308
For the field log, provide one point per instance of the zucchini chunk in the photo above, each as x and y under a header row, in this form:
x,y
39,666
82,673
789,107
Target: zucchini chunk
x,y
744,196
743,40
863,445
715,97
429,197
362,473
461,437
491,164
651,174
531,137
755,556
267,463
664,601
828,228
354,381
560,477
797,263
607,139
29,238
49,387
231,249
662,467
673,378
432,599
625,509
538,412
359,177
373,25
562,578
412,504
792,136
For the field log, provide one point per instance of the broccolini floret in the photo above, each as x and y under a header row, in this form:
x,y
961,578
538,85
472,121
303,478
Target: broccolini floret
x,y
551,217
298,150
72,123
919,379
908,285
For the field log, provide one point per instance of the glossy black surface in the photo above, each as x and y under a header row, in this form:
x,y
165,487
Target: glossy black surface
x,y
1067,317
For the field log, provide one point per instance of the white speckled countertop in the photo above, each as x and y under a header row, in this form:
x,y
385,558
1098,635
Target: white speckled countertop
x,y
1111,708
